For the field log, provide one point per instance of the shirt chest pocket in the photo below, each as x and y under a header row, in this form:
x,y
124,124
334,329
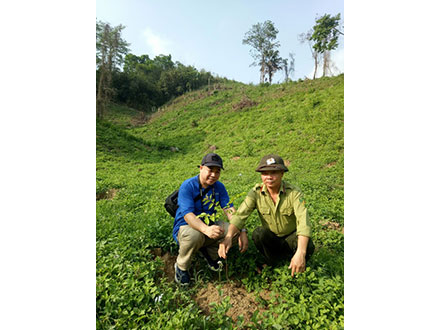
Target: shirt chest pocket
x,y
265,212
287,212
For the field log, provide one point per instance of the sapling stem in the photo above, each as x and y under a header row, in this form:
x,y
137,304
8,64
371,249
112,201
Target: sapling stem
x,y
227,275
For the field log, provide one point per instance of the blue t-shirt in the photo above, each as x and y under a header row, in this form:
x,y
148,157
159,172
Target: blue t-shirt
x,y
188,191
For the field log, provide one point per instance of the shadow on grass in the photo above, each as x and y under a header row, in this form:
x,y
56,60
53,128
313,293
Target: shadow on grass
x,y
331,261
117,142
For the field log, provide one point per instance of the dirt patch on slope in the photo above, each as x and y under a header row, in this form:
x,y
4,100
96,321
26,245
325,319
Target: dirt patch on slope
x,y
329,165
331,225
245,102
109,194
139,120
168,261
168,268
241,301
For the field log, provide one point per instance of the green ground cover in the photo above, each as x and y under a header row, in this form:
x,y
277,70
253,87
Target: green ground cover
x,y
142,163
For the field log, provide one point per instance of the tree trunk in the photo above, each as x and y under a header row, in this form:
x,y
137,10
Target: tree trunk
x,y
100,97
326,66
315,57
262,70
262,74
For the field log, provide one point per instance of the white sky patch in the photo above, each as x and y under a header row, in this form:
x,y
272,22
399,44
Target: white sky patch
x,y
338,60
337,64
157,45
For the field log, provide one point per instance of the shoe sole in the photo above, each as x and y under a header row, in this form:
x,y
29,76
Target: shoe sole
x,y
175,277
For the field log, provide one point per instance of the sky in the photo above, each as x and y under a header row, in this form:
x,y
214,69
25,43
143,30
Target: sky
x,y
208,34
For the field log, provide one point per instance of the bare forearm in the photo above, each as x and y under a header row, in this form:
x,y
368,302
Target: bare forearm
x,y
232,231
226,243
298,261
194,222
302,244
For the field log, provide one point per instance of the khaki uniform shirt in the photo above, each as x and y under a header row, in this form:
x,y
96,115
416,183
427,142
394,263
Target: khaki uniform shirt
x,y
287,215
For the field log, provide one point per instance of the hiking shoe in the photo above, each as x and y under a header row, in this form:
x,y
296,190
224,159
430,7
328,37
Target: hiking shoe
x,y
214,265
182,276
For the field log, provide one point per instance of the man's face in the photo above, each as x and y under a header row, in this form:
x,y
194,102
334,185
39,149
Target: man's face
x,y
209,175
272,179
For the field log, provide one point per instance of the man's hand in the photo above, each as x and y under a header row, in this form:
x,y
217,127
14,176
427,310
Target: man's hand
x,y
243,242
224,247
298,262
214,231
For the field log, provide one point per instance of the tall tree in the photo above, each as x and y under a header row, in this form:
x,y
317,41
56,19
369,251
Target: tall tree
x,y
274,62
288,67
110,49
325,37
262,38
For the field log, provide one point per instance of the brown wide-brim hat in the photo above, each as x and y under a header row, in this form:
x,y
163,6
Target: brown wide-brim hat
x,y
271,162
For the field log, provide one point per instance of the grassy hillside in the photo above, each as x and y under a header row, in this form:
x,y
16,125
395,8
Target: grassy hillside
x,y
139,162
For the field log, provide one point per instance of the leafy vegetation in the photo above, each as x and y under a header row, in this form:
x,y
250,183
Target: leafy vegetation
x,y
143,83
146,83
139,164
110,51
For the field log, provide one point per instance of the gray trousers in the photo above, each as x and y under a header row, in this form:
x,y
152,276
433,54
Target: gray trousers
x,y
191,240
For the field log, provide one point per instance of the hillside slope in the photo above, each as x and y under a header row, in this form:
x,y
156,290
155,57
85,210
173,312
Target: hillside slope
x,y
303,122
139,162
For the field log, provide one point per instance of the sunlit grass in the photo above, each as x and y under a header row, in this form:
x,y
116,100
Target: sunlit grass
x,y
302,121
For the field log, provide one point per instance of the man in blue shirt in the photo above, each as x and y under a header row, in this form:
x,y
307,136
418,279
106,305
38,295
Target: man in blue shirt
x,y
190,231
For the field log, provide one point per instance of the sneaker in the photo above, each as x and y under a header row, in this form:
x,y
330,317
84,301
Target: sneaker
x,y
182,276
214,265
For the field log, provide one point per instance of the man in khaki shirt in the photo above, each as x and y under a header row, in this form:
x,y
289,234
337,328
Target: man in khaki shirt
x,y
286,230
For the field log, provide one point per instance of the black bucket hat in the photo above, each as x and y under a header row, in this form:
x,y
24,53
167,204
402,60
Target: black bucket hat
x,y
212,159
271,162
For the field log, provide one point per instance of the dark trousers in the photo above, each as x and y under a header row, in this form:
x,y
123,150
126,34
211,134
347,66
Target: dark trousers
x,y
276,249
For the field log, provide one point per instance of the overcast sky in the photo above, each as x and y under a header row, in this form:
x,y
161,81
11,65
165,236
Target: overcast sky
x,y
208,34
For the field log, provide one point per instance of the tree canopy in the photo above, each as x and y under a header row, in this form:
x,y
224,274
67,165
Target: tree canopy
x,y
262,38
110,51
148,83
325,35
139,81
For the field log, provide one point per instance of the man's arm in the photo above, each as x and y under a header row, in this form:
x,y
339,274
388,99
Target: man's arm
x,y
226,244
228,212
303,230
243,241
196,223
298,261
236,222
